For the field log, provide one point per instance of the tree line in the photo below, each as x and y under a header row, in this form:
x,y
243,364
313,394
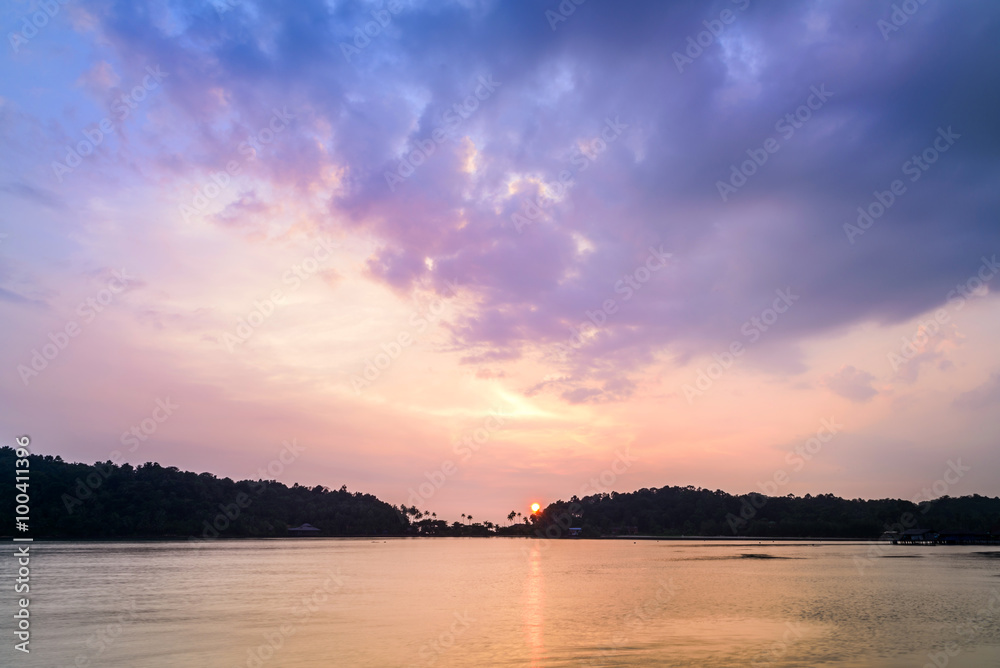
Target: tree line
x,y
693,511
105,500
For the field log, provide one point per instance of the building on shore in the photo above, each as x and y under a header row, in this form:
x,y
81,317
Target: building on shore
x,y
304,530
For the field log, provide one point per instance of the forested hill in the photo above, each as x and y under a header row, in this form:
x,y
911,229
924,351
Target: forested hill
x,y
690,511
105,500
108,501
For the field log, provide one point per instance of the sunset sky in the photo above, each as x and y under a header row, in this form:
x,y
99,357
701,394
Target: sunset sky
x,y
512,251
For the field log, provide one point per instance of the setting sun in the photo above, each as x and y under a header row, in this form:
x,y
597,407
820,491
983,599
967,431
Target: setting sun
x,y
535,507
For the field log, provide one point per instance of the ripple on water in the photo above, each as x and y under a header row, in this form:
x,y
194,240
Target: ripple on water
x,y
728,557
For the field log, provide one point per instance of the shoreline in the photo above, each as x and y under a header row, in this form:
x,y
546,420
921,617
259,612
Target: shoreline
x,y
720,540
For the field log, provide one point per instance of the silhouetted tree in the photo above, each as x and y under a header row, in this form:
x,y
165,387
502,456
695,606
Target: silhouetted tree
x,y
106,500
675,511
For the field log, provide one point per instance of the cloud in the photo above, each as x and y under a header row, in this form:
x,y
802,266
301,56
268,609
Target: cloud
x,y
930,345
654,184
984,396
644,160
9,296
616,389
593,133
100,78
247,212
586,389
851,383
41,196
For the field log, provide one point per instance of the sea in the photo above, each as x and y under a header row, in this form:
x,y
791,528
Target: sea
x,y
298,603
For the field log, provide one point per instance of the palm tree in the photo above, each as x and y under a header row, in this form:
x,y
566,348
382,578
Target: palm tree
x,y
463,516
470,519
511,516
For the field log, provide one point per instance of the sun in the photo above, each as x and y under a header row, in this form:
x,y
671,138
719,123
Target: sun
x,y
535,507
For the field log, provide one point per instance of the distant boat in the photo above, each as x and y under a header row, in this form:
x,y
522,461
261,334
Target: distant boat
x,y
304,530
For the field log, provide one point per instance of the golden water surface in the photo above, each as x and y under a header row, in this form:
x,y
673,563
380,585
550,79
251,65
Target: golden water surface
x,y
508,602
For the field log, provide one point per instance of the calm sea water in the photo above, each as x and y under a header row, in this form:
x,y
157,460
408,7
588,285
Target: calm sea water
x,y
507,602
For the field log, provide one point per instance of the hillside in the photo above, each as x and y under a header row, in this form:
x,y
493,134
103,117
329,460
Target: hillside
x,y
690,511
150,501
104,500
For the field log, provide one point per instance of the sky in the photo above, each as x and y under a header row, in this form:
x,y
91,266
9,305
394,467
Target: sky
x,y
471,254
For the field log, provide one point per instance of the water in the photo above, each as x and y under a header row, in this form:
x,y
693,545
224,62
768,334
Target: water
x,y
506,602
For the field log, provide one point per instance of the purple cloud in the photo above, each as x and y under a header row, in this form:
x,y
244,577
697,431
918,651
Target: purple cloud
x,y
851,383
984,396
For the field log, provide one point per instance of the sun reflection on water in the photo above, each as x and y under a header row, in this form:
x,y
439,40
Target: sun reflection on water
x,y
534,613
